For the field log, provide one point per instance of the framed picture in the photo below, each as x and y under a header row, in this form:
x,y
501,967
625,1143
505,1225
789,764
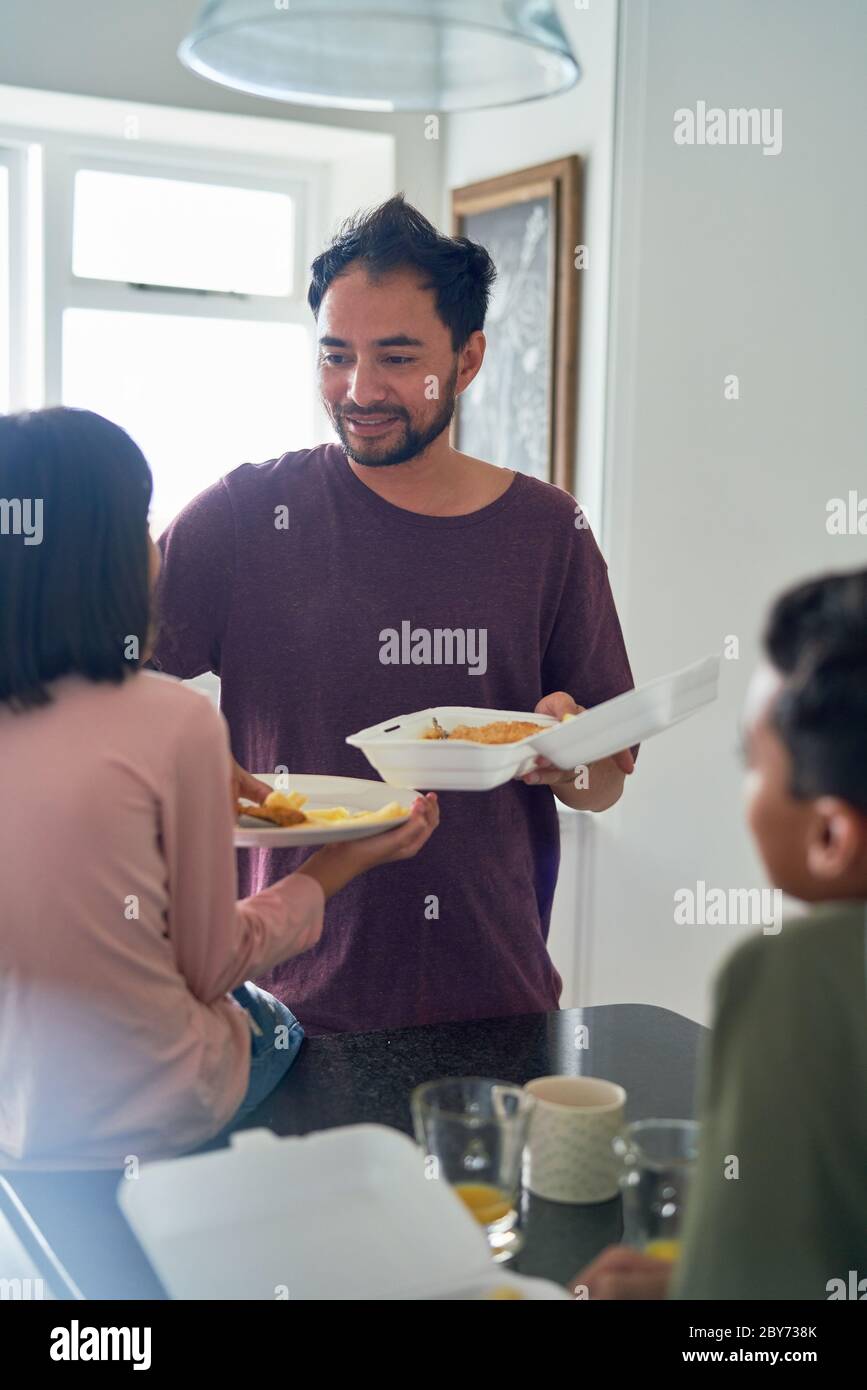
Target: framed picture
x,y
521,410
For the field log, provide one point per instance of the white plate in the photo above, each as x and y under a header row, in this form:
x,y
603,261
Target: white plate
x,y
354,793
346,1213
402,757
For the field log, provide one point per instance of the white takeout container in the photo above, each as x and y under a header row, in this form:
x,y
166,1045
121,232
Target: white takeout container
x,y
442,765
402,757
342,1214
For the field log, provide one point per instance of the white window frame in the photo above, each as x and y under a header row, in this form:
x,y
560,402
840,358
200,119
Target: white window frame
x,y
64,290
328,170
17,159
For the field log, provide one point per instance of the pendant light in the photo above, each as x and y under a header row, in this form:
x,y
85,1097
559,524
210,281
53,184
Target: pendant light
x,y
384,55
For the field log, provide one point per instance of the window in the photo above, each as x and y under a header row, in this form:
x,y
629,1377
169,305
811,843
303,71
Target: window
x,y
154,266
196,235
181,318
165,288
5,394
198,395
13,342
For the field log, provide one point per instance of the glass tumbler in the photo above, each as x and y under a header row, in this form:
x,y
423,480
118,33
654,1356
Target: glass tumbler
x,y
473,1131
658,1159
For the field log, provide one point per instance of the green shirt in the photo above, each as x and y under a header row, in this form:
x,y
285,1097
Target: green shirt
x,y
785,1094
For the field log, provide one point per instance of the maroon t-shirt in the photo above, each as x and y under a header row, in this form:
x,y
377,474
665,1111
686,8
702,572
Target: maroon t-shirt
x,y
283,578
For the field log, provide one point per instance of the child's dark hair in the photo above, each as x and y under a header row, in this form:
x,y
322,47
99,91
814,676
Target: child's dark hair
x,y
395,236
816,637
71,602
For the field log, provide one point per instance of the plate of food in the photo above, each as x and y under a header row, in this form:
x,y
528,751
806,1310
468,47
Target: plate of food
x,y
303,809
462,748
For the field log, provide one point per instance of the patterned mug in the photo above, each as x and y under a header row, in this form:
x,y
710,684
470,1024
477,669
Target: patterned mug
x,y
569,1155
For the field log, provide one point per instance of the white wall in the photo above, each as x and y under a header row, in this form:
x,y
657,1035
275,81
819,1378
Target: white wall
x,y
482,144
725,261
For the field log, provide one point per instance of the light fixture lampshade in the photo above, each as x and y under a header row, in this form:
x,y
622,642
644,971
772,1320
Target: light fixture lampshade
x,y
384,55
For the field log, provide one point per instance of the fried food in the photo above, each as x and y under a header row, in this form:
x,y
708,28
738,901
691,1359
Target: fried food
x,y
286,801
500,731
284,809
330,814
274,815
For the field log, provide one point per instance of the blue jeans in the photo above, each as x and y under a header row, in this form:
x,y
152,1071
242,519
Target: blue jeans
x,y
275,1041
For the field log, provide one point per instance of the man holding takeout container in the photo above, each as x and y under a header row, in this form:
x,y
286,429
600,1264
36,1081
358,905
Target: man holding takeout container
x,y
286,578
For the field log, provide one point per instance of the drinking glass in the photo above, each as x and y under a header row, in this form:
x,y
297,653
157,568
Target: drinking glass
x,y
473,1131
658,1160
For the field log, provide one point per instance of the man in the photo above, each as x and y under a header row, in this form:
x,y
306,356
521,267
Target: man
x,y
778,1205
291,579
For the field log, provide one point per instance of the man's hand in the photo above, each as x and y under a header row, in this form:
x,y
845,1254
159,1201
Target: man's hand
x,y
604,778
623,1273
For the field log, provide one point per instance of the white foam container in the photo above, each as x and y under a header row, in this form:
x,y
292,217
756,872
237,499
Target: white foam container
x,y
440,764
343,1214
402,757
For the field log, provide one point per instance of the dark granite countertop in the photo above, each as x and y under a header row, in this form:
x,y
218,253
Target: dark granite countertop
x,y
354,1078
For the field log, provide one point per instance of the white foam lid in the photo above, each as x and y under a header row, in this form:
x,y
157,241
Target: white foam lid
x,y
343,1214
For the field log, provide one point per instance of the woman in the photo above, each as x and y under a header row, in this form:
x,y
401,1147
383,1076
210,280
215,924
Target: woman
x,y
120,934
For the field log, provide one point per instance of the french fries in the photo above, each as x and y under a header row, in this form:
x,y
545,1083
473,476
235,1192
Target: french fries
x,y
280,812
393,811
286,801
281,803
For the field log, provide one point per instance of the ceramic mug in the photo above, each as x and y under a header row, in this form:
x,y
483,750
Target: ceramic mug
x,y
569,1155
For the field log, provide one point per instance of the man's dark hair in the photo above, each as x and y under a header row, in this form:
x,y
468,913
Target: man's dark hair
x,y
816,638
71,602
395,236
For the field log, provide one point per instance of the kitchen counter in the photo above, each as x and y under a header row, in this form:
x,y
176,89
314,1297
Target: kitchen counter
x,y
353,1078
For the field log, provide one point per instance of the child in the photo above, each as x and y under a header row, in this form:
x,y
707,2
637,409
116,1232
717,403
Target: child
x,y
785,1086
120,934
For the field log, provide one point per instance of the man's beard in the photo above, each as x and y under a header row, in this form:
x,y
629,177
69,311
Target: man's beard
x,y
414,441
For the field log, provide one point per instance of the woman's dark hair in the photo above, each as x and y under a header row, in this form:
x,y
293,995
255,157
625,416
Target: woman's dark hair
x,y
74,589
396,235
816,637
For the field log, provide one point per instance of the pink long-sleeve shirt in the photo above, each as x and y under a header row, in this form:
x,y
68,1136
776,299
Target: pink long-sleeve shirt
x,y
120,933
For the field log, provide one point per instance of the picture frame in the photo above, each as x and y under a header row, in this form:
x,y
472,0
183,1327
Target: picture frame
x,y
522,410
